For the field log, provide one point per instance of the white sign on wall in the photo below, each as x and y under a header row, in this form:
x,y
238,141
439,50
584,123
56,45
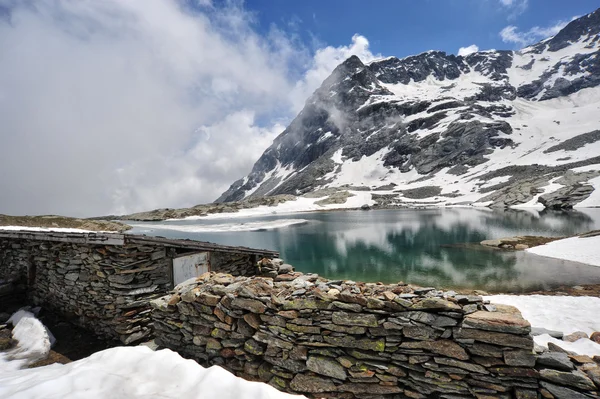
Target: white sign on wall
x,y
190,266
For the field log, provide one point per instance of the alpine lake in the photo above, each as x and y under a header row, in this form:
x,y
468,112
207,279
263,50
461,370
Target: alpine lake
x,y
427,247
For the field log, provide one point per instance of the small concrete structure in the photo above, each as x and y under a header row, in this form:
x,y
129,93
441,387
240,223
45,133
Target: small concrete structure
x,y
104,281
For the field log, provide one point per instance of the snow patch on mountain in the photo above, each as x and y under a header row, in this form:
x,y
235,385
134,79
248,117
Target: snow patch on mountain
x,y
497,128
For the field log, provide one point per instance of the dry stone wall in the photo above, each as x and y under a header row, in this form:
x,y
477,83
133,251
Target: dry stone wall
x,y
323,338
104,288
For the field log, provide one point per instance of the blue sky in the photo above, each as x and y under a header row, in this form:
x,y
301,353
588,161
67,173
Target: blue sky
x,y
193,91
402,27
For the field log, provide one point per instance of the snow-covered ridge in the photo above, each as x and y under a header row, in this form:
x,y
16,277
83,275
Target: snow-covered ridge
x,y
437,129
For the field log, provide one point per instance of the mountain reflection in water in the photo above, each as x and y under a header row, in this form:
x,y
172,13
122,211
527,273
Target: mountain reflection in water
x,y
414,246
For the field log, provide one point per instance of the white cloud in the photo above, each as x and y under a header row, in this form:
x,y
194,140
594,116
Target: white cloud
x,y
464,51
120,106
324,62
511,34
514,7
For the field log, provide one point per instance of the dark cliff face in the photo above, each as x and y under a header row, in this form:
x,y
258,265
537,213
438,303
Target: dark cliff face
x,y
423,113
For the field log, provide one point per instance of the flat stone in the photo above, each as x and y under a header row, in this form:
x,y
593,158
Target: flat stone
x,y
575,379
562,392
295,366
326,366
253,320
519,358
581,359
251,305
355,330
308,303
535,331
515,372
354,319
485,350
353,307
442,347
372,389
350,342
512,323
496,338
420,332
311,384
254,347
575,336
521,393
474,368
466,299
438,304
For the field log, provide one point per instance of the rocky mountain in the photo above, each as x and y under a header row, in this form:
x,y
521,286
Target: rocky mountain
x,y
496,128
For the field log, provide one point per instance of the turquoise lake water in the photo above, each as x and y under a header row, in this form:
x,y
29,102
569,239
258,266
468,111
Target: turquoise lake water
x,y
415,246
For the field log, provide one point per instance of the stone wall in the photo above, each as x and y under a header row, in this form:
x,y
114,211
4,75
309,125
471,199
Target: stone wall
x,y
104,288
321,338
233,263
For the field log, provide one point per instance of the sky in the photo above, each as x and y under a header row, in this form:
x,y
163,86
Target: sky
x,y
117,106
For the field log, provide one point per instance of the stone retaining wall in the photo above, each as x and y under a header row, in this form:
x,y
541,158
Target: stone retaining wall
x,y
321,338
103,288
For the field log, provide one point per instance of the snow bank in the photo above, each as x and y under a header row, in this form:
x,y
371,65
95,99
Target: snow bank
x,y
584,250
33,342
132,372
559,313
226,227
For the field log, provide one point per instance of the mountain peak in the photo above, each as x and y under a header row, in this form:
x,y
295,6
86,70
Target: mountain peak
x,y
496,127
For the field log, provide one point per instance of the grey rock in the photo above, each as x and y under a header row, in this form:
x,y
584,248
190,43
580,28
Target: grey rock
x,y
555,360
326,366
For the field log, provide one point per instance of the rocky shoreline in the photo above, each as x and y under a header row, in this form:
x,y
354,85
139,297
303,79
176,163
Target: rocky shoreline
x,y
55,221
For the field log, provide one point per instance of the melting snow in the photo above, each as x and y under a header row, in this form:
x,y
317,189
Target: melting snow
x,y
576,249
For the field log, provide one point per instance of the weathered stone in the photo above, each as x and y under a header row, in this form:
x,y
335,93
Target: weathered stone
x,y
559,392
502,339
373,389
552,347
254,347
288,314
311,384
308,303
595,337
374,303
442,347
303,329
251,305
352,307
295,366
253,320
420,332
519,358
354,330
555,360
208,299
594,375
474,368
350,342
326,366
354,319
521,393
496,321
575,336
575,379
518,372
272,341
213,344
438,304
581,359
